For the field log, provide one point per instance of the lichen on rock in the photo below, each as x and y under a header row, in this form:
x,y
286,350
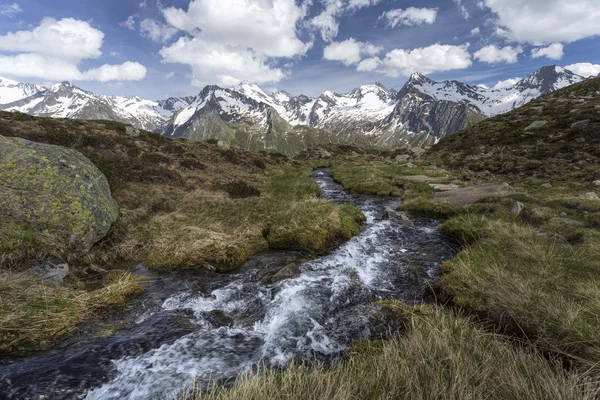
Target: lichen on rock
x,y
50,186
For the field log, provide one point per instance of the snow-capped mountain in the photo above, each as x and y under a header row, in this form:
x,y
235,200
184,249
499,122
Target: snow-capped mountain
x,y
11,91
489,101
65,100
422,111
244,116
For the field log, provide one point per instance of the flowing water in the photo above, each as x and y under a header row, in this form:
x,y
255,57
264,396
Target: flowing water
x,y
214,328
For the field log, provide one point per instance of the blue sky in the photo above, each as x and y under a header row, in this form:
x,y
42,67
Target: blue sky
x,y
174,47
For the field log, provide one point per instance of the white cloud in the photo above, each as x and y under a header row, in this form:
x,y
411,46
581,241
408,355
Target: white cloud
x,y
542,22
129,23
9,10
435,58
476,31
221,64
68,39
157,31
506,83
229,41
268,27
128,71
349,51
357,4
326,23
368,64
411,16
170,75
553,52
492,54
143,4
463,9
585,69
56,69
53,50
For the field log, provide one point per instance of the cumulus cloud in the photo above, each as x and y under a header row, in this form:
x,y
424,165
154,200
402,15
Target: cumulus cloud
x,y
55,69
349,51
9,10
476,31
368,64
229,41
157,31
411,16
265,26
553,52
222,64
128,71
435,58
542,22
506,83
584,69
492,54
54,49
68,39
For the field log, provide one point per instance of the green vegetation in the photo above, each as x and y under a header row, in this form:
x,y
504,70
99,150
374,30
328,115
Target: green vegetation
x,y
212,228
531,282
440,356
33,312
382,179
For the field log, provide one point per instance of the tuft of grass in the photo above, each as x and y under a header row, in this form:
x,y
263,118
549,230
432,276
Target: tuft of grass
x,y
530,283
428,208
21,243
381,179
34,313
440,356
207,227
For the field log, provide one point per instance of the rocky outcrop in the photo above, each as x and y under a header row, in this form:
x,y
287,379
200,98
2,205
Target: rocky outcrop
x,y
55,187
470,195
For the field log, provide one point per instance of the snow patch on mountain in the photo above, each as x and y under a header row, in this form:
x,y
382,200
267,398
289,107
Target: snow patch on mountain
x,y
11,91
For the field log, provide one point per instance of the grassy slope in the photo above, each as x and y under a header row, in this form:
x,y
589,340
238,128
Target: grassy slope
x,y
183,204
503,146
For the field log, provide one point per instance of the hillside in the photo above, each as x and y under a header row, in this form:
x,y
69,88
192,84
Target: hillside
x,y
553,137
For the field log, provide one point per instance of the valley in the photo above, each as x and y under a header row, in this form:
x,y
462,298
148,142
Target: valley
x,y
207,270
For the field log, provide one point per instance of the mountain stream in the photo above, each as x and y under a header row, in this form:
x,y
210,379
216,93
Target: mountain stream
x,y
204,327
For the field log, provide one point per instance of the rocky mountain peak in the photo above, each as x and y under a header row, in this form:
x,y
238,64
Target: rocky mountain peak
x,y
549,78
418,78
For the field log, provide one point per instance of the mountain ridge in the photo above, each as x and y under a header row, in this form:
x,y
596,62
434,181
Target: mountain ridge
x,y
422,112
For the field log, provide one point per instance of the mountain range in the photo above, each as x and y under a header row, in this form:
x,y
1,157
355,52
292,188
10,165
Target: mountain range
x,y
421,112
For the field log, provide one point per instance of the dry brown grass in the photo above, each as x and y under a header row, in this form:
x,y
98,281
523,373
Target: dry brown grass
x,y
441,356
34,312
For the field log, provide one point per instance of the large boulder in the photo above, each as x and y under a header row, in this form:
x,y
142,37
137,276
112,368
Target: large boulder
x,y
55,187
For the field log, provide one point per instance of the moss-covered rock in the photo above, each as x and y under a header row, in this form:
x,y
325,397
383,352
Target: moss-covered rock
x,y
54,187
